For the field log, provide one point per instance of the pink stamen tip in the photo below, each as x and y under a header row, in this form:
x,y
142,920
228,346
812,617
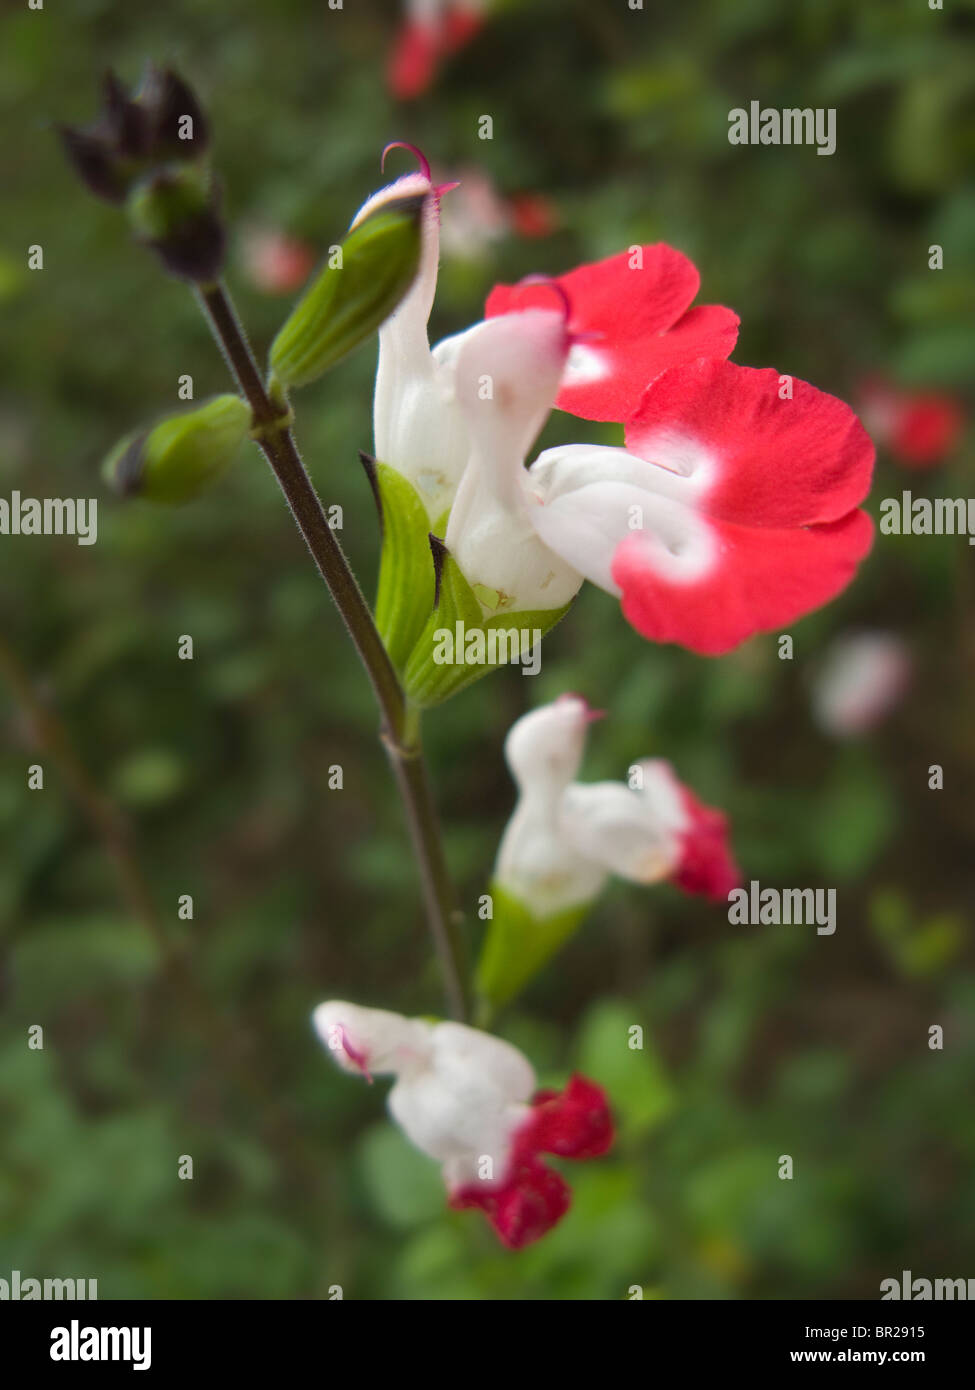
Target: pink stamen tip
x,y
357,1058
420,157
589,714
441,188
555,287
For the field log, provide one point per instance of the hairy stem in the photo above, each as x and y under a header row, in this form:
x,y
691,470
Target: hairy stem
x,y
399,726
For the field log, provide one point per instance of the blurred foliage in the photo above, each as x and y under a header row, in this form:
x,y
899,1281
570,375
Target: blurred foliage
x,y
758,1041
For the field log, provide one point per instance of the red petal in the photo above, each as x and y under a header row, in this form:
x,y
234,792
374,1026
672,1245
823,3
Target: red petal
x,y
531,1198
573,1124
530,1203
775,462
707,865
635,314
761,579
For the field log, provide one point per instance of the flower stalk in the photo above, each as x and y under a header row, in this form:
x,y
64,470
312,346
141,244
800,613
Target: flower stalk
x,y
399,722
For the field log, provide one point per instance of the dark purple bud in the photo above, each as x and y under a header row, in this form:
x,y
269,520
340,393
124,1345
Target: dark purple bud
x,y
178,119
93,162
124,122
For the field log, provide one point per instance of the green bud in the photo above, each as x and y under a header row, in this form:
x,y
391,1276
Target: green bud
x,y
175,212
181,456
345,304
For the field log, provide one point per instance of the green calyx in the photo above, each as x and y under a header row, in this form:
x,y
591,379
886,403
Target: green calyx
x,y
430,619
458,644
517,945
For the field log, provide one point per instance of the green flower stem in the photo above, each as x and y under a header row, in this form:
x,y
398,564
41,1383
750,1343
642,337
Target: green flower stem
x,y
399,726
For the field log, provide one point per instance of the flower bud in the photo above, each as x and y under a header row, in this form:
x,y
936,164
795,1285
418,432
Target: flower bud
x,y
181,456
347,302
163,123
175,212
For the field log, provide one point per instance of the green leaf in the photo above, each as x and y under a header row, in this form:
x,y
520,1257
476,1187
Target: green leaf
x,y
404,1186
407,578
518,944
633,1076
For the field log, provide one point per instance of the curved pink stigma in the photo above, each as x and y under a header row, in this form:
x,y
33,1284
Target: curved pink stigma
x,y
418,154
357,1058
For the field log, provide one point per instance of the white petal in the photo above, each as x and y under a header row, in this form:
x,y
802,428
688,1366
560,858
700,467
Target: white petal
x,y
589,499
465,1056
507,376
372,1040
540,866
585,364
619,829
418,427
535,864
663,794
544,748
466,1104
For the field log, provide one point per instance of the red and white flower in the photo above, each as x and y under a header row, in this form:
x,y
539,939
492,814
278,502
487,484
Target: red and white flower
x,y
431,31
734,507
469,1101
566,838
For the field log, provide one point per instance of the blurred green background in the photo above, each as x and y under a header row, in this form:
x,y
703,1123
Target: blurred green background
x,y
760,1041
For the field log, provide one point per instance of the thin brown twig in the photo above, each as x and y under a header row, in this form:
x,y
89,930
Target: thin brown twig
x,y
399,726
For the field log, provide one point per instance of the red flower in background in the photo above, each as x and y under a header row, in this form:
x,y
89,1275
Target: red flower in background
x,y
920,428
533,215
274,262
431,30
